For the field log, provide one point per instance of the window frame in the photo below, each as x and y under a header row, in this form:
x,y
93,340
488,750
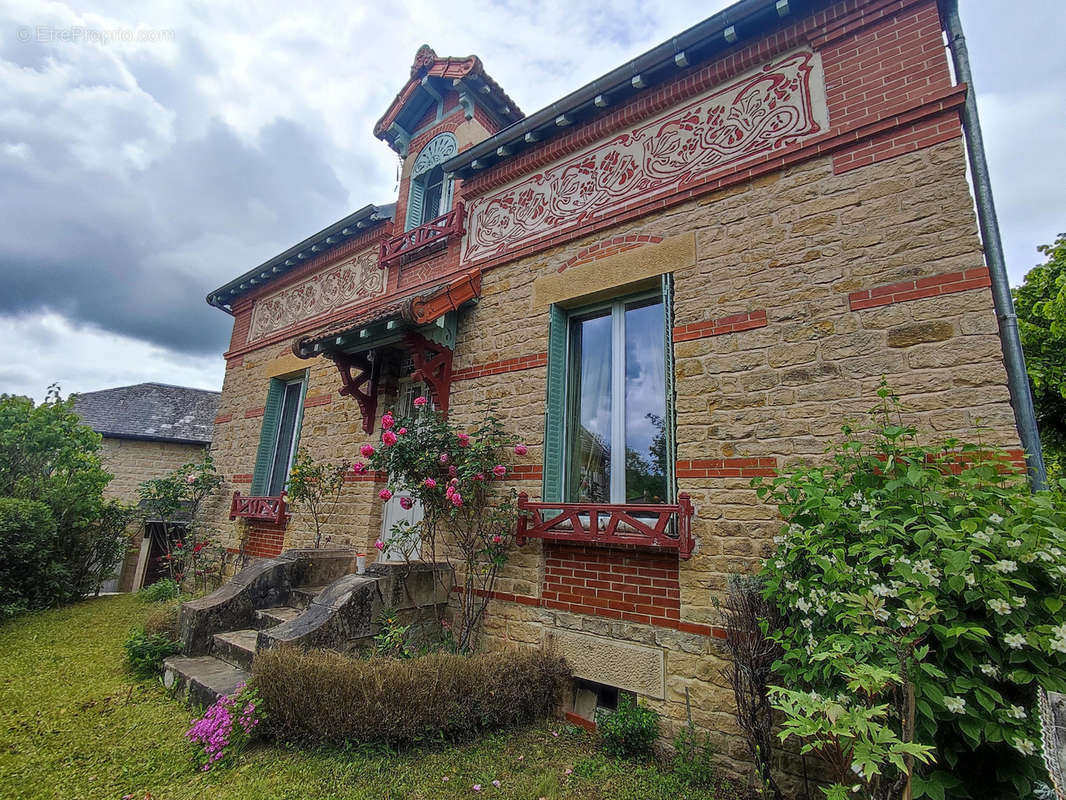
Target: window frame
x,y
269,433
560,402
437,153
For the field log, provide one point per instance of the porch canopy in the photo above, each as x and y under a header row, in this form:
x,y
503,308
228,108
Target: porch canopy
x,y
421,324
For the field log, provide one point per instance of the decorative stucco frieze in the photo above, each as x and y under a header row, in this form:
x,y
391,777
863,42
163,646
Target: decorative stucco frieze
x,y
354,281
764,111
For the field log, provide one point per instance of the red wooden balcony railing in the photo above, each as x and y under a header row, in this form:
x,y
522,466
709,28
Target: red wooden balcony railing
x,y
436,230
269,509
607,524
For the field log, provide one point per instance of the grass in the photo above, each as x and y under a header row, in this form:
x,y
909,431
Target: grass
x,y
74,724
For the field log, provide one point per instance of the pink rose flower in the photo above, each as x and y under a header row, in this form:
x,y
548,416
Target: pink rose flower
x,y
389,438
358,467
420,401
385,495
387,421
190,479
499,470
367,450
496,539
430,483
402,431
454,481
480,476
464,440
380,545
444,458
406,503
457,499
521,449
452,471
449,492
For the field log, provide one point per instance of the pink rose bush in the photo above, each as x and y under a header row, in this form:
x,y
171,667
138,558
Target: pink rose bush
x,y
226,728
443,468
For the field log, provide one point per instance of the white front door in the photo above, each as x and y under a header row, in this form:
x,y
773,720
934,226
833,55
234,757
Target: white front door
x,y
394,512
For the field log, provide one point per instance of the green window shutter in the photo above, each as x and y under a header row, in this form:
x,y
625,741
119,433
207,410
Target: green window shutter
x,y
300,413
555,406
670,421
414,203
268,435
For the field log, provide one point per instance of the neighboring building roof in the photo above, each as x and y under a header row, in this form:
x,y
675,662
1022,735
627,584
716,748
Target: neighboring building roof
x,y
151,411
703,41
326,239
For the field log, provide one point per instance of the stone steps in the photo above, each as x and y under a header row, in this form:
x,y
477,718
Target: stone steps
x,y
236,648
269,617
301,597
205,677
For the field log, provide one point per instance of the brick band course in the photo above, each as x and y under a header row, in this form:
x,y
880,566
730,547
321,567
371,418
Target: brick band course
x,y
919,288
722,325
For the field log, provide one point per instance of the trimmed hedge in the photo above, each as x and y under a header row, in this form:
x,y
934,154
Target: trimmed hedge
x,y
322,696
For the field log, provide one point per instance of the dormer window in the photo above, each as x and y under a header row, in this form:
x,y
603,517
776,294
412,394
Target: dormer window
x,y
431,191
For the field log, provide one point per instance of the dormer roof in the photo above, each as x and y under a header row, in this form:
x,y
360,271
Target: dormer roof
x,y
432,77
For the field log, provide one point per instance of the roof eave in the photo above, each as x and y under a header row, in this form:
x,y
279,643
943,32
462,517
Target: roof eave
x,y
354,224
698,43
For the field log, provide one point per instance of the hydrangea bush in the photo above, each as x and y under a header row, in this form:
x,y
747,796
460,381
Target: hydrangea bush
x,y
226,728
921,595
467,514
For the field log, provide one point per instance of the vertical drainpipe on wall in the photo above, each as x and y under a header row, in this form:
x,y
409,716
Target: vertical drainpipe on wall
x,y
1017,378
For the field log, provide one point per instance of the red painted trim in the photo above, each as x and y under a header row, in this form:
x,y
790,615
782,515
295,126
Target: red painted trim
x,y
580,721
254,412
722,325
920,288
501,367
765,466
223,418
234,361
321,400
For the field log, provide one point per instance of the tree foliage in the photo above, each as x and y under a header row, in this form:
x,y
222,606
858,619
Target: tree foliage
x,y
48,456
1040,303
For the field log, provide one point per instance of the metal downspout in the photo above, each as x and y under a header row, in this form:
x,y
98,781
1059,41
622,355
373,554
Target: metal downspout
x,y
1017,378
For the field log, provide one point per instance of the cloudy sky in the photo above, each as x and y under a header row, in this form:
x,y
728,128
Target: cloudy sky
x,y
136,176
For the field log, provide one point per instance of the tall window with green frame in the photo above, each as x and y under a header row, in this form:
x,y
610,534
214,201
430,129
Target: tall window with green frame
x,y
610,423
279,436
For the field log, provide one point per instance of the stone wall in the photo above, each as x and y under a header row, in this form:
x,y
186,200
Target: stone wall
x,y
132,462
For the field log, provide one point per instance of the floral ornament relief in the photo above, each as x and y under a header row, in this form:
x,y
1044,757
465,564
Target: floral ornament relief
x,y
764,111
356,280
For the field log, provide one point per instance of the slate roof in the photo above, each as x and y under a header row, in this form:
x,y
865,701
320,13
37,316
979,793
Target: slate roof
x,y
151,411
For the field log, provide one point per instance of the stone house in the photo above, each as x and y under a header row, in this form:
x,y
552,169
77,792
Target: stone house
x,y
148,430
705,259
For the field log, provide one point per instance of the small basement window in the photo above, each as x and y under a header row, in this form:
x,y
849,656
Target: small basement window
x,y
590,697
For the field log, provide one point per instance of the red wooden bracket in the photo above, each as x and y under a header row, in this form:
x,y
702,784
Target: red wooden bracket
x,y
352,384
433,364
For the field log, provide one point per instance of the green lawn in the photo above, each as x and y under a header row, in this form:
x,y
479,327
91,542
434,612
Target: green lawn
x,y
74,724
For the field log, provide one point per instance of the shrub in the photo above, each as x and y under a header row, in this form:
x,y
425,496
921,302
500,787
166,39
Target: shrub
x,y
693,759
145,652
164,619
921,593
226,728
315,487
165,589
321,696
29,575
629,732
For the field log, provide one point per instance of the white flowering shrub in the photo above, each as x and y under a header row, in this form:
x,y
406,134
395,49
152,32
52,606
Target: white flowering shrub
x,y
921,592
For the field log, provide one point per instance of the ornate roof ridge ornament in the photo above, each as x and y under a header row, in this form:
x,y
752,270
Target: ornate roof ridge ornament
x,y
424,58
